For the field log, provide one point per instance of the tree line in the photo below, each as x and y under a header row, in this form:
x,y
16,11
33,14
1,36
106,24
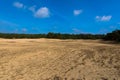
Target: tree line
x,y
51,36
114,36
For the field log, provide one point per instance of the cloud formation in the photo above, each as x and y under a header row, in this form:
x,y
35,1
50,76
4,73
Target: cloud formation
x,y
103,18
32,8
7,23
75,30
18,5
77,12
24,30
42,12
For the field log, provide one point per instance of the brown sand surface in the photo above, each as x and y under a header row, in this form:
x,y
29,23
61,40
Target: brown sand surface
x,y
50,59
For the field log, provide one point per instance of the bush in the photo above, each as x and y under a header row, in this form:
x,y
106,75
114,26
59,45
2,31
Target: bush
x,y
113,36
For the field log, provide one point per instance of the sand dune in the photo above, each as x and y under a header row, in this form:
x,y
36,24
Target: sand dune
x,y
50,59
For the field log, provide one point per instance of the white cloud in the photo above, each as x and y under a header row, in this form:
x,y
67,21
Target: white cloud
x,y
32,8
77,12
18,5
118,23
103,18
43,12
24,30
7,23
113,27
75,30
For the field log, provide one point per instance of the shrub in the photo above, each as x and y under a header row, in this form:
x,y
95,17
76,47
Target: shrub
x,y
113,36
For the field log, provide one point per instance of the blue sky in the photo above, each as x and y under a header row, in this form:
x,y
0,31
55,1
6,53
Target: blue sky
x,y
64,16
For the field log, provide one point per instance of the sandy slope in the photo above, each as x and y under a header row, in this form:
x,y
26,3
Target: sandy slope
x,y
43,59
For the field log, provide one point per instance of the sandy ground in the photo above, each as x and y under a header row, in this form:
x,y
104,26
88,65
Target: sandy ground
x,y
44,59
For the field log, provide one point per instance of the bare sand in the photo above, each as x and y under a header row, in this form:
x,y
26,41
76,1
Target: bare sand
x,y
50,59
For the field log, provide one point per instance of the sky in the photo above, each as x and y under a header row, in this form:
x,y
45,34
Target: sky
x,y
59,16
